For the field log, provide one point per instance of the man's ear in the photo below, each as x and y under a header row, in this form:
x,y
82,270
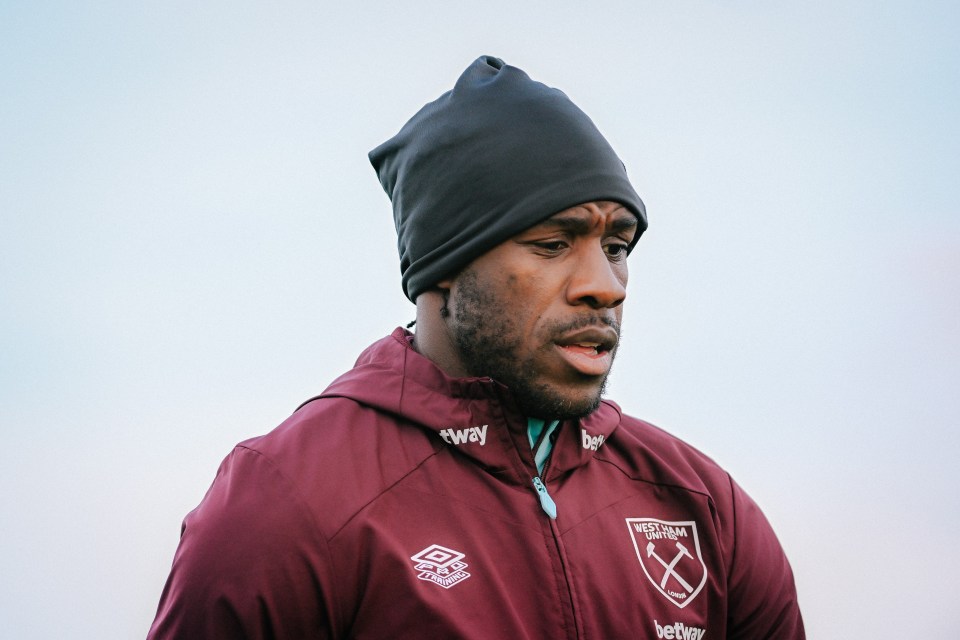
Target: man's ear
x,y
443,288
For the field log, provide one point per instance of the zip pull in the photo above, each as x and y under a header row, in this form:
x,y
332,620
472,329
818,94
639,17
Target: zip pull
x,y
546,502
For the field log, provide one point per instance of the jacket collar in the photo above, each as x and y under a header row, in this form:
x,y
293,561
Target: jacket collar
x,y
477,416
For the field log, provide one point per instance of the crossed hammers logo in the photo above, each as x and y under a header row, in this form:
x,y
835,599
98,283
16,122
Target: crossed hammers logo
x,y
671,566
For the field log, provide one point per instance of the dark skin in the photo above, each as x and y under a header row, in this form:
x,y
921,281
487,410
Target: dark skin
x,y
540,312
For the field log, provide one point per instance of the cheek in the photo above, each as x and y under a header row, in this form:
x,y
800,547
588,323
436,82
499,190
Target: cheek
x,y
522,300
540,309
623,273
521,288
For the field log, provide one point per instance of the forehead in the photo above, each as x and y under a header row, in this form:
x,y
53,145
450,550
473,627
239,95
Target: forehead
x,y
591,217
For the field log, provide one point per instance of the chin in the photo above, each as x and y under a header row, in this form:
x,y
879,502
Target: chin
x,y
553,404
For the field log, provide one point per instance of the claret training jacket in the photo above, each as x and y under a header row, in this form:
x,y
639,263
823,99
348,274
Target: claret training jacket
x,y
402,503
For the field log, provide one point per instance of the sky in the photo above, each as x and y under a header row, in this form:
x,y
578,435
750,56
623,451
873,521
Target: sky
x,y
192,242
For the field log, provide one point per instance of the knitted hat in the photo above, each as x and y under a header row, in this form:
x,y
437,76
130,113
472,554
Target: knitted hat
x,y
491,158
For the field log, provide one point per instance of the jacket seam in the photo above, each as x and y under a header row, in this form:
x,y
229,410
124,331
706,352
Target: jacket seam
x,y
736,538
318,532
654,482
385,490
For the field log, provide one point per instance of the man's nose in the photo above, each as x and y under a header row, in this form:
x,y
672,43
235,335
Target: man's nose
x,y
596,281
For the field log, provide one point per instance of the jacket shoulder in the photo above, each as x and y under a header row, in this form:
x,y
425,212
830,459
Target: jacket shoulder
x,y
340,455
646,452
254,558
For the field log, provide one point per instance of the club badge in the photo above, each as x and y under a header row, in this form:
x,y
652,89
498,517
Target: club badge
x,y
669,553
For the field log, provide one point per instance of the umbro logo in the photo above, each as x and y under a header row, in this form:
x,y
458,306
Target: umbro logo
x,y
441,566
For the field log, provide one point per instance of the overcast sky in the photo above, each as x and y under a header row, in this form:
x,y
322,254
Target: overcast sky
x,y
193,242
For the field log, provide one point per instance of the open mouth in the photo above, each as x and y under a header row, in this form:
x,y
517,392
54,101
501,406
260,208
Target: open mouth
x,y
589,351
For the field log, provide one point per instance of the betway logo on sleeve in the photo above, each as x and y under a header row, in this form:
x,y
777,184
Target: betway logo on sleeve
x,y
462,436
679,631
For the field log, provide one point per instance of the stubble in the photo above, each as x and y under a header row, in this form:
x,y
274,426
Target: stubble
x,y
490,344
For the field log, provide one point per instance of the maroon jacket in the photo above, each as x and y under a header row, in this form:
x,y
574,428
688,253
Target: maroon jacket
x,y
401,503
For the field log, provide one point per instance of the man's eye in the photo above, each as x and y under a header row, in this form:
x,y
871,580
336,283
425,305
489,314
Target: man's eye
x,y
551,246
616,250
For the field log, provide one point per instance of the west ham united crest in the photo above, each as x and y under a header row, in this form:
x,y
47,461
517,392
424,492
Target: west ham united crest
x,y
669,553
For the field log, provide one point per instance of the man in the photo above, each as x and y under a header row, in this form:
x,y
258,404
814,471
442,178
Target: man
x,y
467,481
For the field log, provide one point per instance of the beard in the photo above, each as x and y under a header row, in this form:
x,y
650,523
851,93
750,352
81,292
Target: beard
x,y
489,344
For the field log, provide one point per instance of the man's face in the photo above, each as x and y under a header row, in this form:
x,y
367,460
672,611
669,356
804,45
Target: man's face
x,y
541,312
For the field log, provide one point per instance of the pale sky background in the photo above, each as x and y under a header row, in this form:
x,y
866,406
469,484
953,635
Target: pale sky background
x,y
193,242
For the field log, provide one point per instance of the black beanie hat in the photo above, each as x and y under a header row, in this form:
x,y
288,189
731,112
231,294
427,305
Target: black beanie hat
x,y
487,160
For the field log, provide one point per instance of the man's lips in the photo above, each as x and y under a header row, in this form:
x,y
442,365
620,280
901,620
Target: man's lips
x,y
589,350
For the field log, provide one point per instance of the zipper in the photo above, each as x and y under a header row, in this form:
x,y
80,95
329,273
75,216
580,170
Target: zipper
x,y
550,508
546,502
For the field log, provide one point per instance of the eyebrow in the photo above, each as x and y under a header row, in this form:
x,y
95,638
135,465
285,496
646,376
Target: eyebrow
x,y
581,226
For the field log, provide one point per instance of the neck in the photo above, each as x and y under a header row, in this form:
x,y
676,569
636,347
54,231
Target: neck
x,y
433,337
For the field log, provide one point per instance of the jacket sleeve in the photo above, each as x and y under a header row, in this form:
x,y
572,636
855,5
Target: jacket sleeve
x,y
761,589
251,562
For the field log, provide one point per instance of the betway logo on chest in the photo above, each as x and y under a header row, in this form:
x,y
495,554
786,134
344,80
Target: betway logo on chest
x,y
462,436
590,442
679,631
